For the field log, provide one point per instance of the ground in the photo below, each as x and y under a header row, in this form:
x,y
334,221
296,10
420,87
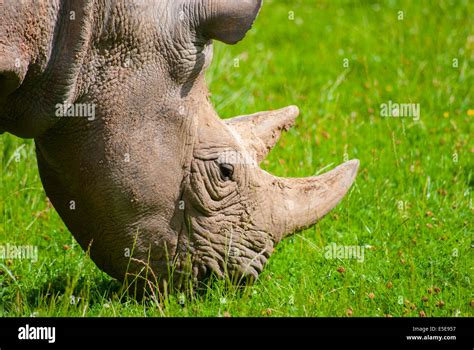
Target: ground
x,y
409,212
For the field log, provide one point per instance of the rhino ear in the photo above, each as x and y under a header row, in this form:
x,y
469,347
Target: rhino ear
x,y
227,20
12,71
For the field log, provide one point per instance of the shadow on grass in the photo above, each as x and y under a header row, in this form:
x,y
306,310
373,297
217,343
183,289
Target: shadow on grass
x,y
57,293
96,290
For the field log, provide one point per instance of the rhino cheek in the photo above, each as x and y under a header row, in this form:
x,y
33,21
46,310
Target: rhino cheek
x,y
221,234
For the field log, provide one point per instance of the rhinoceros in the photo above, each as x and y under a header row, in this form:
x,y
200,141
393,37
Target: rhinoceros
x,y
144,173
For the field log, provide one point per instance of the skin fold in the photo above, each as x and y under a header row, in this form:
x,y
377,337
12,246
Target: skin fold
x,y
155,185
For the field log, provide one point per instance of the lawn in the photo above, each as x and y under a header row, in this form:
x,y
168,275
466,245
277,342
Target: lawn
x,y
410,211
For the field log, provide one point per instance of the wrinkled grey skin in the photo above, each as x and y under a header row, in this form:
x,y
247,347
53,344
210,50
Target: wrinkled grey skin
x,y
157,173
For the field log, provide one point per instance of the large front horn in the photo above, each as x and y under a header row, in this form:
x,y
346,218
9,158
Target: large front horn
x,y
300,203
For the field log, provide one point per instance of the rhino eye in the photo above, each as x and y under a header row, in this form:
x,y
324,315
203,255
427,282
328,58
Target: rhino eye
x,y
227,171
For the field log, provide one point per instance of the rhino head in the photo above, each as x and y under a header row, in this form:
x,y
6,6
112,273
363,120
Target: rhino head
x,y
154,183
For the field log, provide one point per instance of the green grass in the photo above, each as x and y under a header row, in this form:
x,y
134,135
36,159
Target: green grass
x,y
411,205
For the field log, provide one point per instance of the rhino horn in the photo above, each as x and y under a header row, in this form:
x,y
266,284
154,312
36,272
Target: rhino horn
x,y
260,132
301,202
